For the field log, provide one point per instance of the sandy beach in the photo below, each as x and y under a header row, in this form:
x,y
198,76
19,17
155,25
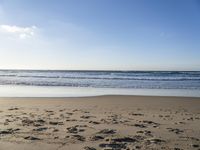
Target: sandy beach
x,y
103,122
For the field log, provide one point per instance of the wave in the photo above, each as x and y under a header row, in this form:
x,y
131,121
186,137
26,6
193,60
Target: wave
x,y
91,85
101,79
110,78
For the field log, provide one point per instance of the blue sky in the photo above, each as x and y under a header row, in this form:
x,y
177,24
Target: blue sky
x,y
100,34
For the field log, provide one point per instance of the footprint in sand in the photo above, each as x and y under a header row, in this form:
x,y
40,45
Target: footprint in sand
x,y
89,148
76,137
31,138
175,130
13,108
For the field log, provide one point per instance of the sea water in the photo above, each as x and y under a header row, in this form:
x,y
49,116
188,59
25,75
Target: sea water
x,y
48,83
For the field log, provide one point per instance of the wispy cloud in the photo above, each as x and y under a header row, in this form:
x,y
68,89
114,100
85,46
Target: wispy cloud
x,y
20,32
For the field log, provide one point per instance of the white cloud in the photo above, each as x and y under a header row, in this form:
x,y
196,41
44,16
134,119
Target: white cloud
x,y
20,32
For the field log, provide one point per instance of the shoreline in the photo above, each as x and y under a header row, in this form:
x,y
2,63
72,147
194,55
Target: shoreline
x,y
189,98
34,91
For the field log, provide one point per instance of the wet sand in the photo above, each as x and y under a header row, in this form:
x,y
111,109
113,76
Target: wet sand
x,y
104,122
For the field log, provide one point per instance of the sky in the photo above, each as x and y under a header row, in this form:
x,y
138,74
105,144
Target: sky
x,y
100,34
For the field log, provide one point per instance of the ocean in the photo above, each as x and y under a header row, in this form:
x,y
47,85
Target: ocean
x,y
88,83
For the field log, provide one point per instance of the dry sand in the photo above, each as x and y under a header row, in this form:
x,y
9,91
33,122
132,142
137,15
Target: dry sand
x,y
104,122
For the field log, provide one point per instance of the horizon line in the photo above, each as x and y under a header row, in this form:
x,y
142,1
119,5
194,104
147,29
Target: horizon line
x,y
100,70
